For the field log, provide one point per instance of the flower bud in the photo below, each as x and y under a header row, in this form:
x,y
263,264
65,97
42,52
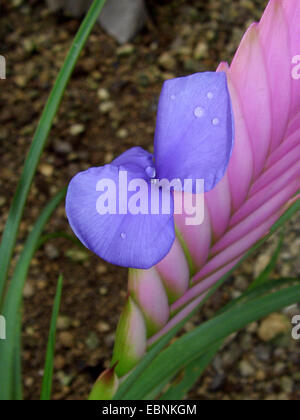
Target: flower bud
x,y
147,289
106,386
131,339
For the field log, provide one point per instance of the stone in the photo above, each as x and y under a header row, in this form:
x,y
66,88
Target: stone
x,y
103,94
292,310
62,147
63,322
103,327
106,107
231,356
272,326
77,129
286,384
66,339
218,382
28,290
201,50
73,7
59,362
55,5
123,19
2,201
125,50
246,369
103,291
92,341
167,61
77,255
101,269
122,133
263,353
46,169
51,251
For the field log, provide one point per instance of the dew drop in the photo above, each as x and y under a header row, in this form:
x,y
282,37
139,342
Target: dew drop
x,y
123,235
150,171
199,112
210,95
216,121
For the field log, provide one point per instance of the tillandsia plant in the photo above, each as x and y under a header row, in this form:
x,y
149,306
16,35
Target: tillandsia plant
x,y
238,131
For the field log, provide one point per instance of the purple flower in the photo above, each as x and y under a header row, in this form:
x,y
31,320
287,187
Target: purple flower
x,y
193,140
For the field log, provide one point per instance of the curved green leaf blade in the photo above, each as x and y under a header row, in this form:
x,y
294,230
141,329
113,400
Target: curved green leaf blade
x,y
13,301
197,342
48,371
195,369
191,374
39,141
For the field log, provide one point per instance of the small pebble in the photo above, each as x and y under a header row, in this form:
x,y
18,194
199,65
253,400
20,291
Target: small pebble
x,y
103,327
66,339
46,169
77,129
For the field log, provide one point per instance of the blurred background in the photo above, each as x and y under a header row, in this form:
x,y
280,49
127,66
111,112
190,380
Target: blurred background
x,y
110,105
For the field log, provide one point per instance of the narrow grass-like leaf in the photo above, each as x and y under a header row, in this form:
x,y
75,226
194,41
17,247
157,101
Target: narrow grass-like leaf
x,y
39,141
191,374
57,235
48,371
13,300
194,370
17,384
197,342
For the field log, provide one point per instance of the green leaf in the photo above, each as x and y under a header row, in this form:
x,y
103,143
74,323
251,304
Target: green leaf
x,y
259,291
191,374
13,301
17,378
197,342
195,369
48,371
57,235
106,386
39,141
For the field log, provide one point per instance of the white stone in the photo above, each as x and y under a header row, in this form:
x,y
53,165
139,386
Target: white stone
x,y
121,19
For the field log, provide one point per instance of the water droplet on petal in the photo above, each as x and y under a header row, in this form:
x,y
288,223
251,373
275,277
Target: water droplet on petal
x,y
123,235
150,171
199,112
210,95
216,121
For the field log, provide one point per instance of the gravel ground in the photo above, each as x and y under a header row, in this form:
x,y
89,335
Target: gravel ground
x,y
110,105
